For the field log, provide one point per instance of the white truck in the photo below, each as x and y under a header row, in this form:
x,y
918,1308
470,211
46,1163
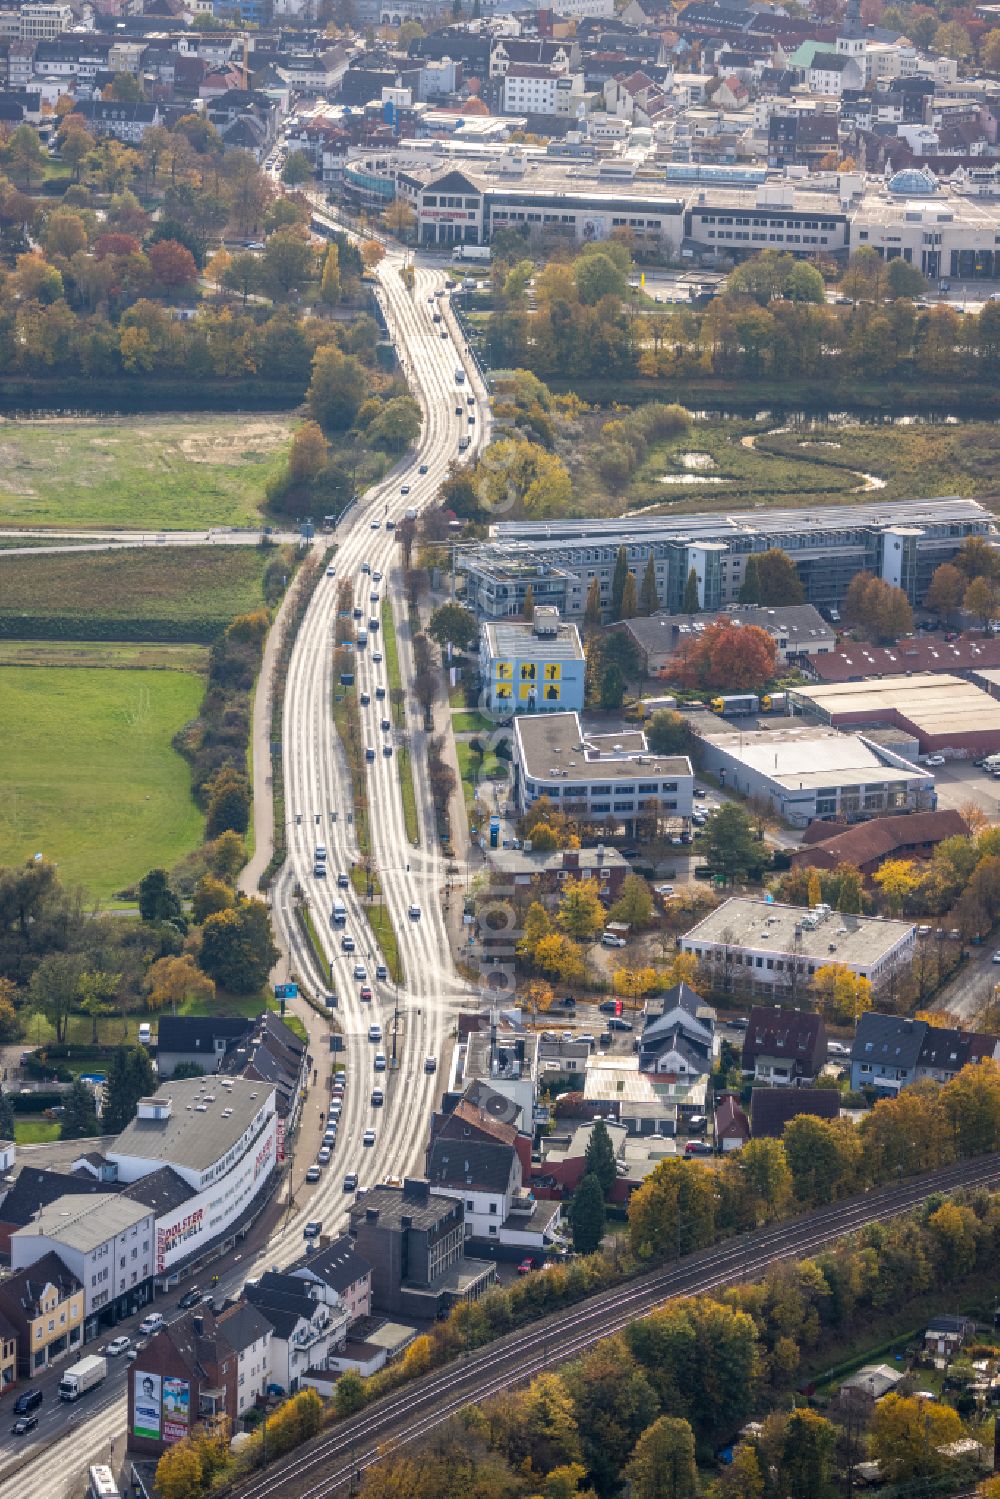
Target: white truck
x,y
480,253
83,1377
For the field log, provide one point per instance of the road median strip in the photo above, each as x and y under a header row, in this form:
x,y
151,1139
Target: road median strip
x,y
397,701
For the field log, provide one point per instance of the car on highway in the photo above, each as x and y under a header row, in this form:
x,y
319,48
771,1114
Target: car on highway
x,y
380,1061
386,726
444,333
375,1032
189,1299
27,1401
351,1182
360,972
378,1098
323,1158
347,943
470,400
369,754
381,971
376,577
118,1346
331,572
422,469
364,698
414,912
343,880
387,751
430,1064
365,994
313,1229
368,1138
377,657
366,567
319,871
23,1425
313,1174
375,524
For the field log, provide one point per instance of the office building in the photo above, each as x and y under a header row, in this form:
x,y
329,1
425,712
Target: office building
x,y
532,668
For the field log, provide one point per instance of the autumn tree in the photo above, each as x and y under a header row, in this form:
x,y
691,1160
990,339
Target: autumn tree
x,y
592,614
876,608
662,1465
172,264
841,994
823,1156
896,878
976,558
329,286
906,1434
237,950
309,455
175,980
337,388
634,905
727,656
581,913
980,598
630,602
946,590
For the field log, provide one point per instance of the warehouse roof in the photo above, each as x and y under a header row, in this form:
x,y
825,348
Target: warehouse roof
x,y
935,704
803,756
200,1120
858,941
556,742
922,653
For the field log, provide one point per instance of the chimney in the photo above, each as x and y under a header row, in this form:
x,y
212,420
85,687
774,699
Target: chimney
x,y
371,1215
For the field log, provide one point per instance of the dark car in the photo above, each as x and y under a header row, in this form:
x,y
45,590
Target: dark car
x,y
23,1425
567,1002
618,1023
28,1400
608,1006
189,1299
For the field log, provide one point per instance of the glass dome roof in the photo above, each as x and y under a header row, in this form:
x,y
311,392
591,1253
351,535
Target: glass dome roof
x,y
911,182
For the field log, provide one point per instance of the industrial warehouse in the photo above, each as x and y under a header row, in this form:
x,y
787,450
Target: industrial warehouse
x,y
944,714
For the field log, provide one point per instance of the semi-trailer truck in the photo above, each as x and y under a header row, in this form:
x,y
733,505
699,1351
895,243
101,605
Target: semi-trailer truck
x,y
83,1377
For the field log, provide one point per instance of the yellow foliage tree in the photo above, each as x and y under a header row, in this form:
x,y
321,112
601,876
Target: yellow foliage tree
x,y
178,1473
560,955
896,879
172,981
633,983
841,994
814,892
682,969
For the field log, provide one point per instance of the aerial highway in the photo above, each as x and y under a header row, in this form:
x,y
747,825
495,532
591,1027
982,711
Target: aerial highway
x,y
316,786
327,1466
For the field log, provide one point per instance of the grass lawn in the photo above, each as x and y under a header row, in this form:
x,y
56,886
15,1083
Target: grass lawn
x,y
470,722
38,1131
90,777
139,473
380,922
493,769
172,593
155,657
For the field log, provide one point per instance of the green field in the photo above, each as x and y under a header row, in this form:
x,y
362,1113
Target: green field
x,y
471,722
139,473
91,653
90,777
157,593
36,1131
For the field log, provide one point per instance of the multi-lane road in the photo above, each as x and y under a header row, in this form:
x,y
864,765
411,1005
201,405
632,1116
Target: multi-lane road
x,y
316,785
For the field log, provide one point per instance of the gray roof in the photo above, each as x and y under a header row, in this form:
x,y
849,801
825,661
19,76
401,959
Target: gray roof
x,y
800,622
337,1264
557,741
198,1033
697,1056
161,1190
206,1120
242,1325
477,1164
889,1040
83,1222
772,1108
283,1299
513,638
412,1201
35,1189
679,1010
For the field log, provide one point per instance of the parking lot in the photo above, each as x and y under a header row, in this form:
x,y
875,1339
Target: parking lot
x,y
960,783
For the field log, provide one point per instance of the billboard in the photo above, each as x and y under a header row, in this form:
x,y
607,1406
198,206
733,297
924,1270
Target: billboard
x,y
146,1405
176,1409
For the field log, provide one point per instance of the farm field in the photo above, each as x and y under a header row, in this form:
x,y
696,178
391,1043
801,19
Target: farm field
x,y
90,653
139,473
159,593
91,779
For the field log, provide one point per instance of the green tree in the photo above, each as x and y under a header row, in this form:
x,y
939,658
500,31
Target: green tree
x,y
599,1160
397,426
95,992
618,583
691,604
581,914
337,388
630,602
668,733
53,989
130,1077
598,276
767,1181
349,1394
750,587
731,844
649,597
6,1116
662,1465
329,286
778,580
612,691
79,1116
26,155
805,284
157,901
236,947
823,1158
586,1216
701,1357
903,279
634,904
808,1456
288,264
228,803
614,1402
454,624
297,169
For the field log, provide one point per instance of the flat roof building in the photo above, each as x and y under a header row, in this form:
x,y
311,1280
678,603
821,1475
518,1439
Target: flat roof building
x,y
756,947
942,712
808,772
901,541
597,777
797,630
532,668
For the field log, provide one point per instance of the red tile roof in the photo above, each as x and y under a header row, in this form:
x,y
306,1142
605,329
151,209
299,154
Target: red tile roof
x,y
856,659
881,837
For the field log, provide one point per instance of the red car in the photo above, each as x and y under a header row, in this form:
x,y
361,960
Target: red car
x,y
526,1266
366,993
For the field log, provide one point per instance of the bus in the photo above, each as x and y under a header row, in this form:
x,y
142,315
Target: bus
x,y
101,1483
743,702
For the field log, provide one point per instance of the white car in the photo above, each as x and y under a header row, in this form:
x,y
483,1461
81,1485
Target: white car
x,y
665,890
380,1061
359,971
369,1137
323,1159
414,912
996,956
935,760
374,1033
118,1346
375,525
151,1324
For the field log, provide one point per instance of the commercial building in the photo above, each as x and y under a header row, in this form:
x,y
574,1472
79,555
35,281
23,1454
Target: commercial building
x,y
799,632
415,1244
106,1243
187,1374
610,778
977,654
943,713
220,1135
902,541
532,668
810,772
43,1304
756,947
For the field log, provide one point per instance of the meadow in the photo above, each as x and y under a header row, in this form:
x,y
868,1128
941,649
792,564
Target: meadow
x,y
90,776
148,473
154,593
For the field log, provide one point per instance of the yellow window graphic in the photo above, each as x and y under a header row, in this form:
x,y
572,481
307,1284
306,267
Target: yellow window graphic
x,y
505,671
552,671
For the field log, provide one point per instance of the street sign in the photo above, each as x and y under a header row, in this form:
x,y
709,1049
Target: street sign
x,y
286,991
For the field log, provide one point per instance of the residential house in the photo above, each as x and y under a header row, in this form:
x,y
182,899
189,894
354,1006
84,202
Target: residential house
x,y
128,123
9,1340
306,1327
772,1108
248,1333
272,1053
187,1373
783,1047
679,1039
486,1175
414,1241
565,1153
343,1277
732,1127
886,1051
868,844
946,1051
198,1041
947,1335
832,73
44,1305
35,1189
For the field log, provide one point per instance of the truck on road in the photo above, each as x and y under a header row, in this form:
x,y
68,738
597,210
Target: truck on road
x,y
83,1377
474,252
